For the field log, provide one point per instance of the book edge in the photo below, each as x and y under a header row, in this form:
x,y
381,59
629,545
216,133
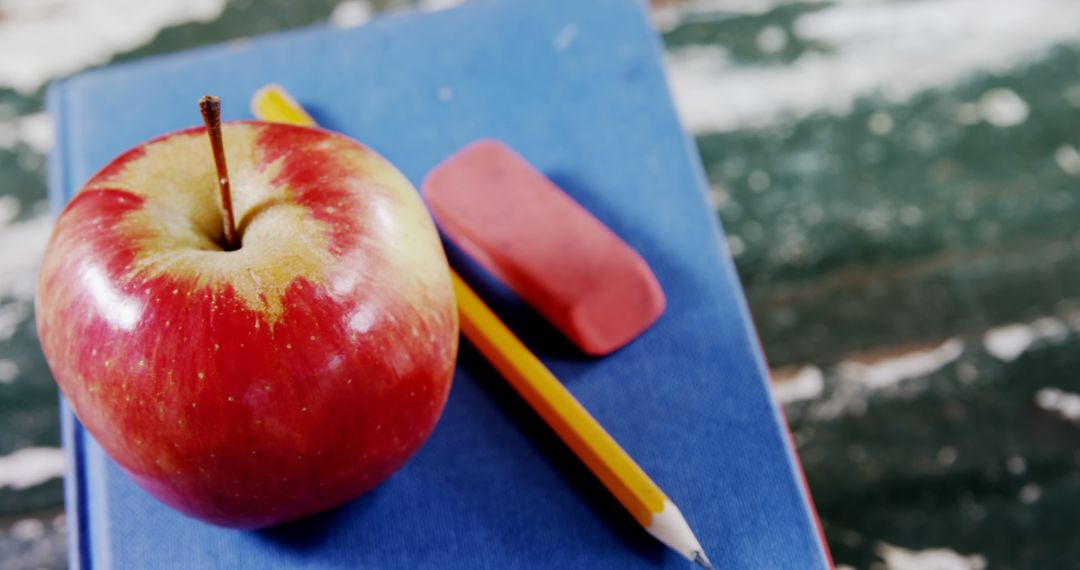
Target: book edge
x,y
70,429
725,259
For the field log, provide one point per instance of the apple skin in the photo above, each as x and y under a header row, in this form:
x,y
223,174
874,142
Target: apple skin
x,y
257,386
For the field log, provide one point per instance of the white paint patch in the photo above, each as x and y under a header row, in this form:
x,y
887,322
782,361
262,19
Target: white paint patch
x,y
771,39
1072,95
857,381
738,7
1068,159
9,134
28,529
351,13
21,247
1016,465
1008,342
892,49
58,37
1030,493
946,456
674,12
11,315
897,558
890,371
31,466
9,208
1002,108
880,123
1065,404
967,372
806,384
36,130
9,371
1073,319
736,245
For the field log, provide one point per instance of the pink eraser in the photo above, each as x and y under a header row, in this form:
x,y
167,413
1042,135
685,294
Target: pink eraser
x,y
550,250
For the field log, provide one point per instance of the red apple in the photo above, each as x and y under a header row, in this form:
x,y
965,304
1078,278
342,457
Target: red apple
x,y
255,386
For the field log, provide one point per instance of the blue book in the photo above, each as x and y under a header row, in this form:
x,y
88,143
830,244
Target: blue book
x,y
577,88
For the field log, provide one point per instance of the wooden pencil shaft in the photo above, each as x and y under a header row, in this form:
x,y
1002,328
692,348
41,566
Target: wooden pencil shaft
x,y
557,406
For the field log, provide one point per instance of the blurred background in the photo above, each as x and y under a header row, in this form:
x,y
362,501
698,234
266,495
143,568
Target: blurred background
x,y
899,181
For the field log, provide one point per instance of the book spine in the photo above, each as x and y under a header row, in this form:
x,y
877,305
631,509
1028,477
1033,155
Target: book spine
x,y
70,429
56,171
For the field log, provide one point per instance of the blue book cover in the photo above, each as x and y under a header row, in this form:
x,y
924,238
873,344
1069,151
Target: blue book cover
x,y
577,88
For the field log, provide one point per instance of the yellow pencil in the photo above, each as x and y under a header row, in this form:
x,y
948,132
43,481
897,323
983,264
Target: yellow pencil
x,y
543,392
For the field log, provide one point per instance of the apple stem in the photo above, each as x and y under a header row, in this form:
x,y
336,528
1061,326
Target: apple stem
x,y
211,112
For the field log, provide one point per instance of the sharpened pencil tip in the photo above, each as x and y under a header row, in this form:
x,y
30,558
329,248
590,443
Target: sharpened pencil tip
x,y
670,527
701,560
